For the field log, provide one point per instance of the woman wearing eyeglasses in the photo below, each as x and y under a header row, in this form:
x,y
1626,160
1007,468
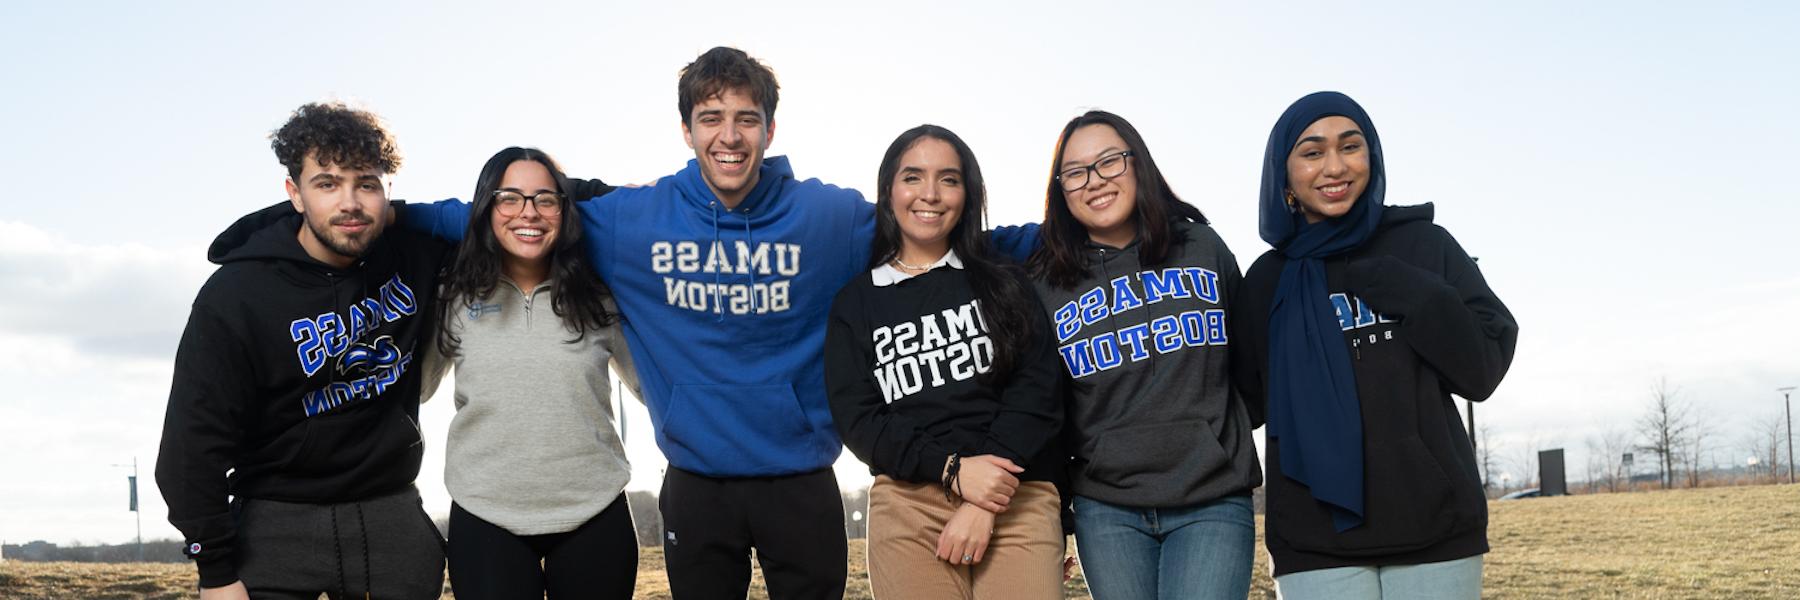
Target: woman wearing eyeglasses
x,y
941,378
534,465
1358,325
1139,289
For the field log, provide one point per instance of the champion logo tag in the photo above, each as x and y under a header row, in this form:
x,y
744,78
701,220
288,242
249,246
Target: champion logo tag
x,y
671,536
193,548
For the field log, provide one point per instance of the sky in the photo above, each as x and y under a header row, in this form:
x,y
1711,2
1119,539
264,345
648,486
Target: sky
x,y
1620,168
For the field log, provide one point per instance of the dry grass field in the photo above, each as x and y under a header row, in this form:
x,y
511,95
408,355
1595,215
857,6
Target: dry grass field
x,y
1741,542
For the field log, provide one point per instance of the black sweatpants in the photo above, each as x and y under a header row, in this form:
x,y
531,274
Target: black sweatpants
x,y
385,547
795,523
599,559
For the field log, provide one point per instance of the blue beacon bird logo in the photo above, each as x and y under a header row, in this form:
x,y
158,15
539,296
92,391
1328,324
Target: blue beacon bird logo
x,y
365,359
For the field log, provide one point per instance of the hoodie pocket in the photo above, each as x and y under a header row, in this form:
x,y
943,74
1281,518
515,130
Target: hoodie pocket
x,y
358,443
1130,457
738,429
1408,505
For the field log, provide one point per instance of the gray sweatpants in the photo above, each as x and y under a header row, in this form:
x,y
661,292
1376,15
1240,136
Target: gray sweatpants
x,y
385,547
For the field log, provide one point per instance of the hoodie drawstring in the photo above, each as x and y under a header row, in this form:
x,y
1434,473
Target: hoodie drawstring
x,y
718,286
337,547
709,251
750,239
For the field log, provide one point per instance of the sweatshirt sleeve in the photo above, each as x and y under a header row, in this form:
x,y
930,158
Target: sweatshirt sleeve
x,y
1031,405
446,220
1234,288
1249,334
200,442
892,443
622,362
1015,242
583,189
436,366
1452,321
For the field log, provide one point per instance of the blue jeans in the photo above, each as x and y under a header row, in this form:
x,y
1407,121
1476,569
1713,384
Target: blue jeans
x,y
1201,551
1452,579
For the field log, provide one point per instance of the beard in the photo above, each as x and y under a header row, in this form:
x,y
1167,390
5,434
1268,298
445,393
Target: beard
x,y
350,245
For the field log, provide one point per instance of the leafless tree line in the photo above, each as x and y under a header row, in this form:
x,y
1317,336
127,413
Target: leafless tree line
x,y
1673,440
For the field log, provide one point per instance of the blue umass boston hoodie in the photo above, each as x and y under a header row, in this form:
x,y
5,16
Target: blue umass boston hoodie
x,y
725,310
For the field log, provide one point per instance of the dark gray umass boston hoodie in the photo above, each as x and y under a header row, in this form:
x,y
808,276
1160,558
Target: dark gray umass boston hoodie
x,y
1153,420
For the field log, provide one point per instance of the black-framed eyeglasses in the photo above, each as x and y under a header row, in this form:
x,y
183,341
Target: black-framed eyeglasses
x,y
1108,167
509,203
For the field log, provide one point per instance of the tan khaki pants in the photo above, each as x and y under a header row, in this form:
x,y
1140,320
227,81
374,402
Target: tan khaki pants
x,y
1023,560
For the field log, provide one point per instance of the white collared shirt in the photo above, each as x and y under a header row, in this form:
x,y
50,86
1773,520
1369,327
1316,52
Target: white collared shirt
x,y
886,275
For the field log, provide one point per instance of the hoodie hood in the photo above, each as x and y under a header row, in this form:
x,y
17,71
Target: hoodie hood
x,y
273,234
774,174
1395,216
270,233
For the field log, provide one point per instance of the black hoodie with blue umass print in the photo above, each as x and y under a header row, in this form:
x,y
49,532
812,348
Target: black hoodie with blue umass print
x,y
295,380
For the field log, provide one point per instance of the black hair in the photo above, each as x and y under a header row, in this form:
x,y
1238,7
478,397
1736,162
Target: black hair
x,y
334,134
999,287
724,69
1060,260
577,294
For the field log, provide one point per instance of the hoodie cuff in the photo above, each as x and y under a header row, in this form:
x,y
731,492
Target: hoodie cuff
x,y
217,572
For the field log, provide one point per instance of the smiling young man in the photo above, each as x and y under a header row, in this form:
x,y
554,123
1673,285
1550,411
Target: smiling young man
x,y
291,441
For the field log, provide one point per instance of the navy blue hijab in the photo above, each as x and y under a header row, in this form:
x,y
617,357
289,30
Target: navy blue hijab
x,y
1313,408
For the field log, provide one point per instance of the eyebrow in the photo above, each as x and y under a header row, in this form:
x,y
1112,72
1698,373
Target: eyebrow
x,y
1070,162
326,177
1319,138
522,192
736,115
949,170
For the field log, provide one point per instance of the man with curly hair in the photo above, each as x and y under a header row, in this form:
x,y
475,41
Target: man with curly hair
x,y
291,440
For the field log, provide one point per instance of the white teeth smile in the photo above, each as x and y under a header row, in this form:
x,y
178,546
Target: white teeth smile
x,y
926,214
529,233
730,159
1333,189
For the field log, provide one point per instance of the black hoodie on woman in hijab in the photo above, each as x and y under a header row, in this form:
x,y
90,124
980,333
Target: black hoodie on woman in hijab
x,y
1421,324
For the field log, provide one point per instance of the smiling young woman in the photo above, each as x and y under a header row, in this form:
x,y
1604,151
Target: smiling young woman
x,y
1140,289
1354,331
941,377
531,330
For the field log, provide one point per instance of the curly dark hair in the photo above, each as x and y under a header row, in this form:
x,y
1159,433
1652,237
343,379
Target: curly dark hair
x,y
335,134
724,69
577,294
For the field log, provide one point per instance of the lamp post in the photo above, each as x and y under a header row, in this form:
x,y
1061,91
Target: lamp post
x,y
134,506
1789,406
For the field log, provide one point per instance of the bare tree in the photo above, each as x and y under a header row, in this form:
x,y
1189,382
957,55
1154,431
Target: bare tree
x,y
1525,461
1485,453
1614,443
1694,449
1665,429
1764,441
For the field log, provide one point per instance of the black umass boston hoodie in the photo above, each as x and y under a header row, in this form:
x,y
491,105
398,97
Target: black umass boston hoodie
x,y
299,378
1421,324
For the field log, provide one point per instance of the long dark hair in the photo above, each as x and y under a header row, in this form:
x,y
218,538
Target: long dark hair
x,y
577,294
1005,304
1061,260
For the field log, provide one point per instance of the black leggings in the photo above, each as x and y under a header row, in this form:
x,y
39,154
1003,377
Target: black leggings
x,y
599,559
